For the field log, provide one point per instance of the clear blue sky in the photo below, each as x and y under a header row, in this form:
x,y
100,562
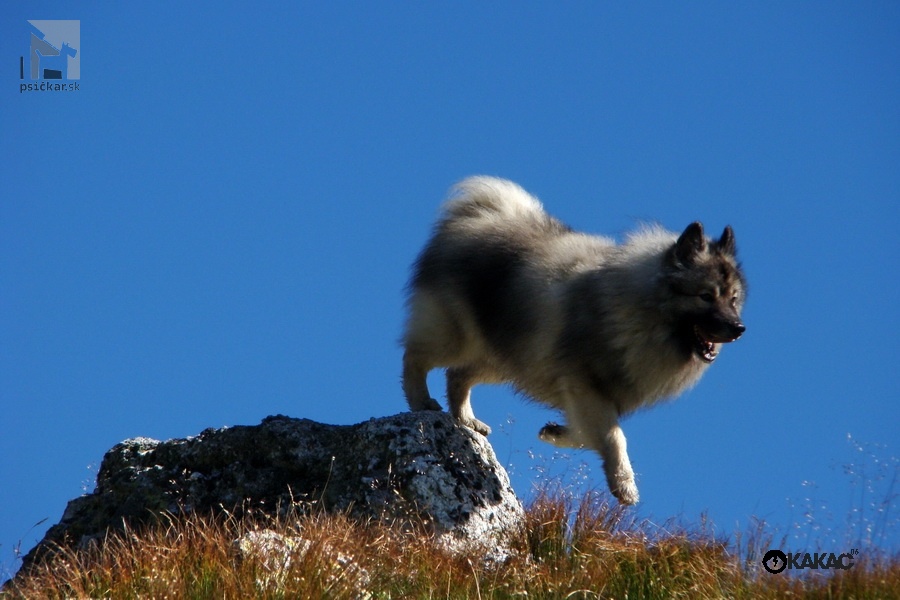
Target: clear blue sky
x,y
218,226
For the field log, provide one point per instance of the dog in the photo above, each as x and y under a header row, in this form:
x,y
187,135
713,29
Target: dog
x,y
505,293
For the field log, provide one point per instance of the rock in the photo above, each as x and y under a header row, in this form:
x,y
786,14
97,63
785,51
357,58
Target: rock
x,y
275,553
410,467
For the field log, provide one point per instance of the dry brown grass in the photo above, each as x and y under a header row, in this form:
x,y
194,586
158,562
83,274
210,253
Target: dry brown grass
x,y
570,548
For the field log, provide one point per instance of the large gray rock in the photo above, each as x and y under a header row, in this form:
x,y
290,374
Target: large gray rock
x,y
408,467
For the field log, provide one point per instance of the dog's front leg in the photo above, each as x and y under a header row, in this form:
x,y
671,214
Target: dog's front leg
x,y
619,474
593,423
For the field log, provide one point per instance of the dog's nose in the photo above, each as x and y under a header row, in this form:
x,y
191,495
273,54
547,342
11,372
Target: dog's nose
x,y
738,328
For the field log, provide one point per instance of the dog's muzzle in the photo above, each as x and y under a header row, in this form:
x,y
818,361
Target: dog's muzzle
x,y
707,342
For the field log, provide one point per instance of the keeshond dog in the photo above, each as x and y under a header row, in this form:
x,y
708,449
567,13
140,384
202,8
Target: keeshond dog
x,y
505,293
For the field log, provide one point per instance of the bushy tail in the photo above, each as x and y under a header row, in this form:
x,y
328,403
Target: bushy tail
x,y
483,196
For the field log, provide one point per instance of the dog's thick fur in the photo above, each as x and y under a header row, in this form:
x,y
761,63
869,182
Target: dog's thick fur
x,y
504,293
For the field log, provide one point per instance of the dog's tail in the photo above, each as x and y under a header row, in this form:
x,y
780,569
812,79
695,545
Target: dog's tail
x,y
482,196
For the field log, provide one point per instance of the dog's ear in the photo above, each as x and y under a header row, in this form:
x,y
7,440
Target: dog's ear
x,y
726,244
691,244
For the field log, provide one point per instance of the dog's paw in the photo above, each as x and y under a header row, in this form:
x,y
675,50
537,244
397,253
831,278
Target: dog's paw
x,y
426,404
553,433
433,404
626,492
478,426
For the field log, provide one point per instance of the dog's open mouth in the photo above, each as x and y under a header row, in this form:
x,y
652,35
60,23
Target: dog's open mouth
x,y
704,348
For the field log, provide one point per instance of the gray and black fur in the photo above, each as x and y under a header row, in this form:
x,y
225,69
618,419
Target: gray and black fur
x,y
505,293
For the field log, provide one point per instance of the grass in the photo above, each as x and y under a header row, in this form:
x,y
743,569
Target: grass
x,y
570,547
575,544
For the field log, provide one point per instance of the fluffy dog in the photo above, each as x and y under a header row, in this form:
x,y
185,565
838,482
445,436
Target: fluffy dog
x,y
505,293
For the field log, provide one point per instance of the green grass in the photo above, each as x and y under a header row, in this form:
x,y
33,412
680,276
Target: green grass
x,y
570,548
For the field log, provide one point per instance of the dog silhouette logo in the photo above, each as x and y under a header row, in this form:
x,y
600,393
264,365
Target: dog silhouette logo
x,y
54,51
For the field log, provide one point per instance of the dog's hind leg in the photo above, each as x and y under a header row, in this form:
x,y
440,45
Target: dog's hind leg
x,y
459,386
415,385
430,341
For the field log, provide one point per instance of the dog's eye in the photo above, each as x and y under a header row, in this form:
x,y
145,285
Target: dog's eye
x,y
707,297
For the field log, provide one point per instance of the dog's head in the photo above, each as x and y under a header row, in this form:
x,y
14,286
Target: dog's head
x,y
706,288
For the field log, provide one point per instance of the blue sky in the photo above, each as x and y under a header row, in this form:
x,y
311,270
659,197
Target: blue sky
x,y
218,225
